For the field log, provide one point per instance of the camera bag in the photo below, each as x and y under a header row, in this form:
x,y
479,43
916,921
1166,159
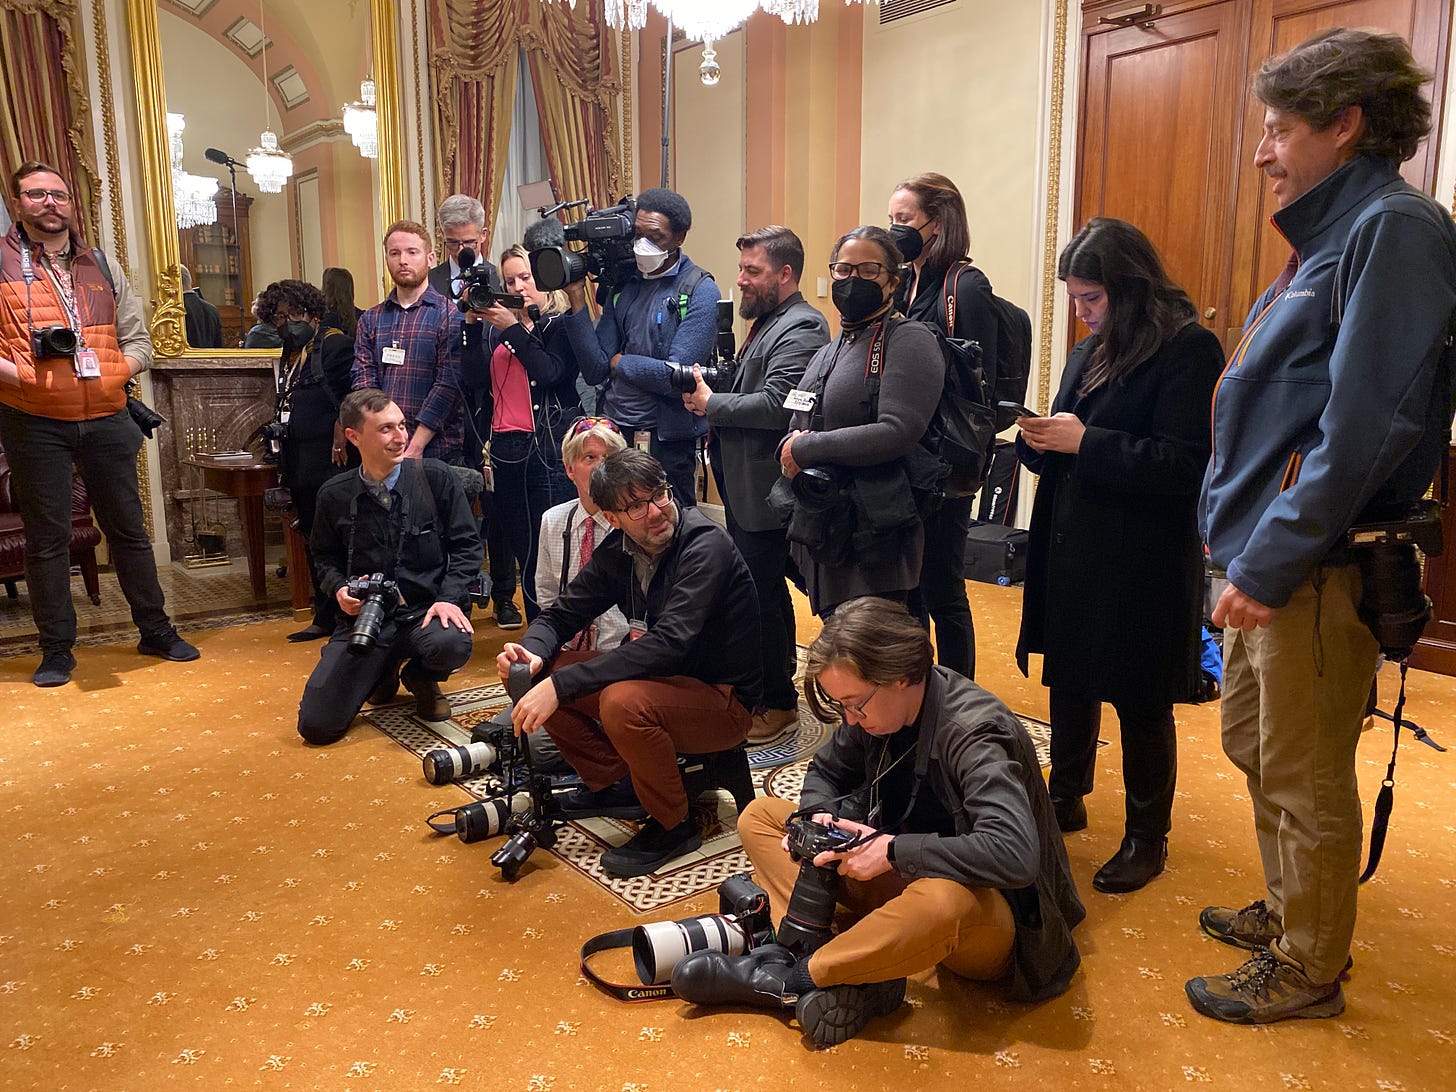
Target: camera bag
x,y
995,554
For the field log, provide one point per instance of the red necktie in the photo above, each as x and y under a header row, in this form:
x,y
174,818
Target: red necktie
x,y
583,640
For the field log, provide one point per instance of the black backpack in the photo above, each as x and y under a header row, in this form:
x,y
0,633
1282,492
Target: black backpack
x,y
1008,372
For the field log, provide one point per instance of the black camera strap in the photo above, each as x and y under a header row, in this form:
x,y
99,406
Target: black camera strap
x,y
1380,822
606,942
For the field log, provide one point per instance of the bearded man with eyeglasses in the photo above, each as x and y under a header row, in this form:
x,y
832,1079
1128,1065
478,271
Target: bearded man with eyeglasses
x,y
683,681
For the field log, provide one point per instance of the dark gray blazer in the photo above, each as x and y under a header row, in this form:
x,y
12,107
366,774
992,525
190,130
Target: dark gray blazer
x,y
749,422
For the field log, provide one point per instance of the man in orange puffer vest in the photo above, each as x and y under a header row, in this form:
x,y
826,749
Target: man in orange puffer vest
x,y
71,335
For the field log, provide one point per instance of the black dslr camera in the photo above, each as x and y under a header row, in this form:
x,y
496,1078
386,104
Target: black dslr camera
x,y
607,236
1392,604
718,372
53,343
807,921
473,290
379,597
536,824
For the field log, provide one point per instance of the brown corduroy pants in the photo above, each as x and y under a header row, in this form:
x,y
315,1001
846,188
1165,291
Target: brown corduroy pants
x,y
903,927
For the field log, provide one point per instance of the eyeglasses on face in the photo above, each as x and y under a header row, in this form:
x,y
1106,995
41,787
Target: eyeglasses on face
x,y
868,271
586,424
845,711
60,197
456,244
661,498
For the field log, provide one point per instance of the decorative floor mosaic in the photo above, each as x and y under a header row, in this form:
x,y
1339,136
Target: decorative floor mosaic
x,y
778,770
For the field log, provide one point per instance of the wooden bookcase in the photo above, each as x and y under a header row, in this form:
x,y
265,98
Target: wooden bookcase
x,y
220,257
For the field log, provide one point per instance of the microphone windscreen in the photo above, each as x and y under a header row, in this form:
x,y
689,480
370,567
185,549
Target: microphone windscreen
x,y
466,258
545,232
217,156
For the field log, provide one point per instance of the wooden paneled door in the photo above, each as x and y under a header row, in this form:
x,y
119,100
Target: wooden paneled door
x,y
1162,111
1169,127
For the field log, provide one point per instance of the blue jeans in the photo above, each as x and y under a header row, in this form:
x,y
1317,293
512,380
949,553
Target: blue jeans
x,y
41,452
528,480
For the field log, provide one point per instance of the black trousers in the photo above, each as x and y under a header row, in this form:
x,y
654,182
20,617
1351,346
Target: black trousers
x,y
941,596
341,681
1149,757
766,553
679,459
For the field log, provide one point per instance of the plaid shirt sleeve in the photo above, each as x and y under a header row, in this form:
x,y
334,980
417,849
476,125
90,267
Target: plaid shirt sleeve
x,y
365,370
442,401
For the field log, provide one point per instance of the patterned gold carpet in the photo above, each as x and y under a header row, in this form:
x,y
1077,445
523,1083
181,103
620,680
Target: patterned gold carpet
x,y
194,899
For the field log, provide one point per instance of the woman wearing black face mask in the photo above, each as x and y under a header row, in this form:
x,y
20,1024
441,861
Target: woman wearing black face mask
x,y
928,221
313,379
838,430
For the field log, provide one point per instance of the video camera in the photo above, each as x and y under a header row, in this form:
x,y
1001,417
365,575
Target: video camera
x,y
473,290
718,372
607,236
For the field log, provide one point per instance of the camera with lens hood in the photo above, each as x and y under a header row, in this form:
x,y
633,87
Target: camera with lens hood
x,y
378,597
605,237
53,343
743,921
809,917
719,370
473,290
1393,605
491,750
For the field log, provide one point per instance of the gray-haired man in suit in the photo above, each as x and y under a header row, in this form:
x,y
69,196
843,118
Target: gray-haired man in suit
x,y
748,423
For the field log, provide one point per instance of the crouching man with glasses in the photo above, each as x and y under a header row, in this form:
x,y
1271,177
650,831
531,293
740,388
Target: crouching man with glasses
x,y
951,854
684,680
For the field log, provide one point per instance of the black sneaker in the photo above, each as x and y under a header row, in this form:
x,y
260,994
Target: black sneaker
x,y
834,1014
614,802
169,646
55,668
651,848
508,616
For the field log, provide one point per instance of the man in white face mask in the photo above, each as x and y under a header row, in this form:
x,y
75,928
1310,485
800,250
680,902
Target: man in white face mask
x,y
669,315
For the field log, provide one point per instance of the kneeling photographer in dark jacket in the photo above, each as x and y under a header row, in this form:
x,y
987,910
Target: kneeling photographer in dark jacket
x,y
958,860
395,545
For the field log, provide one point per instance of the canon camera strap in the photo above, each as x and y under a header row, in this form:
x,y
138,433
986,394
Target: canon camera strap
x,y
605,942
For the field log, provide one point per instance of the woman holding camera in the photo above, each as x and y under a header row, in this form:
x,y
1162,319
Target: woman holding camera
x,y
1114,580
928,223
522,392
313,380
859,413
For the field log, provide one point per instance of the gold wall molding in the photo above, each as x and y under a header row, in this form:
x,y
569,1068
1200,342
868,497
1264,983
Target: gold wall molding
x,y
629,92
108,136
168,316
424,216
1053,208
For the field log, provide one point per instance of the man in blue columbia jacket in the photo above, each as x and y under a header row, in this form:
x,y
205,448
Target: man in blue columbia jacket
x,y
669,314
1334,410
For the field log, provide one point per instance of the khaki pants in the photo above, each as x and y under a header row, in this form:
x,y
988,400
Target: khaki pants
x,y
1294,698
904,927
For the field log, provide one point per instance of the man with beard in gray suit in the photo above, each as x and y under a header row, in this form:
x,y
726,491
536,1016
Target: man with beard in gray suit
x,y
748,422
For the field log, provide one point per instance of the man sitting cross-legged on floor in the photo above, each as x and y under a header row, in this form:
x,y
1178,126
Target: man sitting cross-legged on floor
x,y
683,681
961,861
408,520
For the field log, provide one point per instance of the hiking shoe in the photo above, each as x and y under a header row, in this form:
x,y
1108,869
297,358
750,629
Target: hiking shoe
x,y
617,801
508,616
1268,987
169,645
833,1014
55,668
771,725
430,702
1254,927
651,848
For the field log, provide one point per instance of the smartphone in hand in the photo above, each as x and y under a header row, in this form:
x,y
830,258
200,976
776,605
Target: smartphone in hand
x,y
1017,408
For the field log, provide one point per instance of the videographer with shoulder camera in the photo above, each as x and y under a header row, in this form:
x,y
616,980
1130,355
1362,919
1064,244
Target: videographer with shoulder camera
x,y
1334,412
668,314
684,680
925,814
71,336
396,545
748,421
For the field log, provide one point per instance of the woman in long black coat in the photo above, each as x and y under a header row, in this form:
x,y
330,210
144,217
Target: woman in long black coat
x,y
1114,580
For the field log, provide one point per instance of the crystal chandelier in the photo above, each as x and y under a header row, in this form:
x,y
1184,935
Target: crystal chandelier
x,y
268,166
192,194
361,121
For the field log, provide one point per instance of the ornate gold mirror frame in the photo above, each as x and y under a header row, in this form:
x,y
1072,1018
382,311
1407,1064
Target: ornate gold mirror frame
x,y
168,326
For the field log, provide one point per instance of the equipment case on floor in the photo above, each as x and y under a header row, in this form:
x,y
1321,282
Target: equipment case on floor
x,y
995,554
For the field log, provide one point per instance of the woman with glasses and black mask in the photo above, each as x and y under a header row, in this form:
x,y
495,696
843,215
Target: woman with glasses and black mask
x,y
859,413
1114,579
522,393
313,372
942,288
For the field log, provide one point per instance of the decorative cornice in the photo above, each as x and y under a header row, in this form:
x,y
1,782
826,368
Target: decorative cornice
x,y
1053,207
324,131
